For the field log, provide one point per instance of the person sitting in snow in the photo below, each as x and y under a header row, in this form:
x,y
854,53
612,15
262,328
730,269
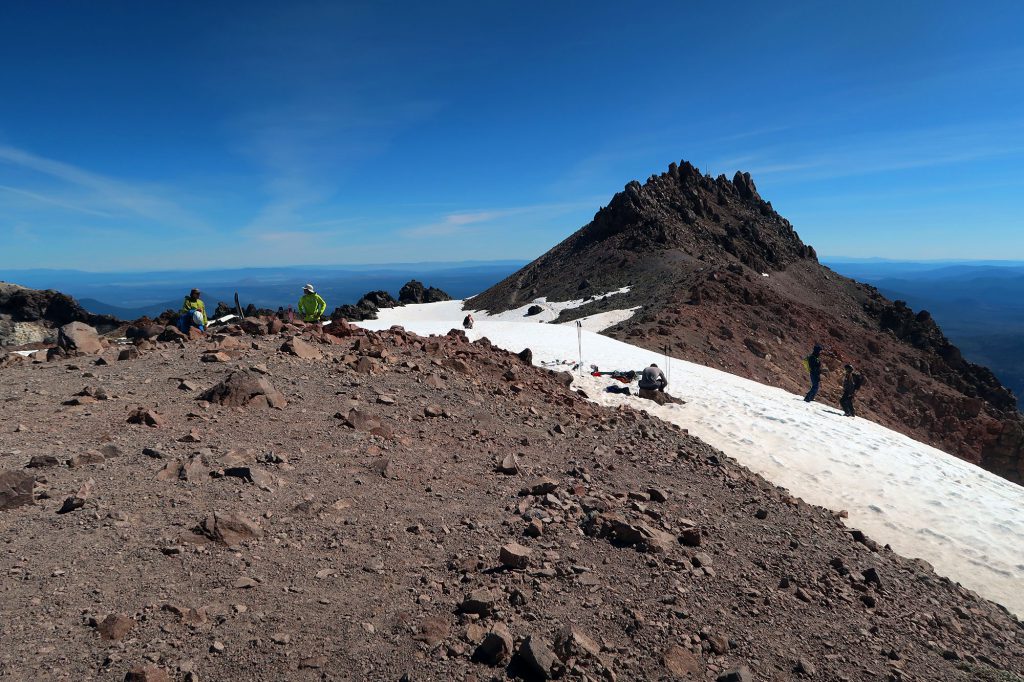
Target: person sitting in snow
x,y
192,313
652,379
467,322
311,306
852,381
812,363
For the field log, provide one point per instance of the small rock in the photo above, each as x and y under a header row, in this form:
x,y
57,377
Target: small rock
x,y
740,674
496,647
514,555
115,626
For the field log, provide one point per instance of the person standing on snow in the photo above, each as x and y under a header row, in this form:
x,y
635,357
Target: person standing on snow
x,y
193,313
311,306
852,381
813,364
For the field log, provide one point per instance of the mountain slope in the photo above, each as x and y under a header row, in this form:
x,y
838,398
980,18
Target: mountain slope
x,y
725,281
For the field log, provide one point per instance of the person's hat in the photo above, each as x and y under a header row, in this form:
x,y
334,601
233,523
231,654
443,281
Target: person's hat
x,y
653,365
194,292
817,348
848,367
308,287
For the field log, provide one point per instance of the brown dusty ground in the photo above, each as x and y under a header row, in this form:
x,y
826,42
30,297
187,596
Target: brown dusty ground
x,y
366,541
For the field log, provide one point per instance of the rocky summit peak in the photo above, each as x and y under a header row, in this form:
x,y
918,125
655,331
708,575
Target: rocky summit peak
x,y
712,218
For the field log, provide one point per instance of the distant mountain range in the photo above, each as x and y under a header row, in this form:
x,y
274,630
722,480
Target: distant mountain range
x,y
129,295
979,304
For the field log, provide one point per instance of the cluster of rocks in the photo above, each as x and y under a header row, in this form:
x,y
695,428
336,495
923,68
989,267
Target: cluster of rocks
x,y
367,307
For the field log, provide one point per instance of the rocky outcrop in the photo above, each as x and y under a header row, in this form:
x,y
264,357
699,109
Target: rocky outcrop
x,y
367,307
414,292
33,316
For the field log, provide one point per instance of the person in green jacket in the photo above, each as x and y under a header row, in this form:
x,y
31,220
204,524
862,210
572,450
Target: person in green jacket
x,y
311,306
193,313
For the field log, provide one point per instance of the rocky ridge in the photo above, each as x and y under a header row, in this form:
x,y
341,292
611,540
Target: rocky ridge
x,y
30,316
278,502
725,281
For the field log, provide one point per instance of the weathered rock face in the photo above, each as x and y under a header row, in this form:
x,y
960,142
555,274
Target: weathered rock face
x,y
415,292
243,388
726,282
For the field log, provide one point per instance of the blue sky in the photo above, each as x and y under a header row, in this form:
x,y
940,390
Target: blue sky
x,y
175,134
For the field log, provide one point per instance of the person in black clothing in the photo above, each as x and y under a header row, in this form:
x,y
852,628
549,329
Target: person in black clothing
x,y
814,367
851,382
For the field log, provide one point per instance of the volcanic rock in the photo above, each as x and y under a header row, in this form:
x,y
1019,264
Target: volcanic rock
x,y
229,529
244,388
15,489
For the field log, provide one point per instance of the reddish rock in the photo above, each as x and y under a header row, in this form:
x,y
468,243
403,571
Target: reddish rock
x,y
148,417
301,349
229,529
115,626
78,338
149,673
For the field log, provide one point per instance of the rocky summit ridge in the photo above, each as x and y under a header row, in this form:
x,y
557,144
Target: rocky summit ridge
x,y
276,502
723,280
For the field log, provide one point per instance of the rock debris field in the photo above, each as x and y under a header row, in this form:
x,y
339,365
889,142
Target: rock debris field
x,y
276,503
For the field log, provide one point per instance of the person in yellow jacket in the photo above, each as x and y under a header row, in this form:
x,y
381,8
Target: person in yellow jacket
x,y
193,313
311,306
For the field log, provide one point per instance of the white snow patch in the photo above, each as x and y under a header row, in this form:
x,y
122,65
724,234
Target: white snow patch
x,y
966,522
453,310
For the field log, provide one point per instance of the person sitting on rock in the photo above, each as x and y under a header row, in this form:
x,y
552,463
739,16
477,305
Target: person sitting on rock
x,y
852,381
311,306
193,313
467,322
813,365
652,379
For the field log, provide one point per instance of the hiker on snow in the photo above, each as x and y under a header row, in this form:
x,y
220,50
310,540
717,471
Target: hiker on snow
x,y
813,365
467,322
193,313
851,383
311,306
652,379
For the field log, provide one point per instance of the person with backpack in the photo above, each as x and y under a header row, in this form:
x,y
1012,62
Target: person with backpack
x,y
311,306
467,322
852,381
192,313
812,363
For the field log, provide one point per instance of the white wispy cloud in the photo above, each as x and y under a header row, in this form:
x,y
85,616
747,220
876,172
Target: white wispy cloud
x,y
42,198
112,197
461,223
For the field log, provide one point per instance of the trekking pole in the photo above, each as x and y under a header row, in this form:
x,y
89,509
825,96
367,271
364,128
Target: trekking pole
x,y
579,344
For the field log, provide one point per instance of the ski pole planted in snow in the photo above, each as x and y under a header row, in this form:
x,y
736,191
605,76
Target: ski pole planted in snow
x,y
579,344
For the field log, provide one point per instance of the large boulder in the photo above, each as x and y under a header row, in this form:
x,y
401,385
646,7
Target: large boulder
x,y
78,338
243,388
